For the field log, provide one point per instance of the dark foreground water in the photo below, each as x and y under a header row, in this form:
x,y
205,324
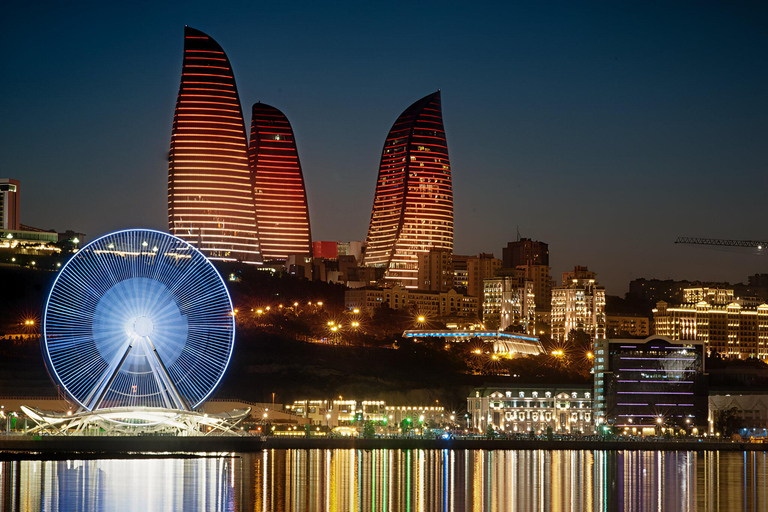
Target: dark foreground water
x,y
397,480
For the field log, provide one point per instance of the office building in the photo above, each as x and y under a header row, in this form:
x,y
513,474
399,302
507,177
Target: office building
x,y
542,285
644,386
525,252
578,304
413,204
460,271
436,270
480,268
281,198
210,186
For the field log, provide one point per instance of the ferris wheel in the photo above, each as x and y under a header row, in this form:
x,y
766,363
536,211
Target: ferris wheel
x,y
138,318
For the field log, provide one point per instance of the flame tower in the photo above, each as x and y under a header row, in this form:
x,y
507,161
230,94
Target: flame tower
x,y
210,185
281,199
413,206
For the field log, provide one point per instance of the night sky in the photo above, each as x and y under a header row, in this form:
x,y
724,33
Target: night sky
x,y
604,129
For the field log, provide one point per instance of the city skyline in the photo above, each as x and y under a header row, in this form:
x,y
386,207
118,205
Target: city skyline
x,y
579,126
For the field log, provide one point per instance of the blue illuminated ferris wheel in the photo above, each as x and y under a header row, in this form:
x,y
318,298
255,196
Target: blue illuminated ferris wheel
x,y
138,318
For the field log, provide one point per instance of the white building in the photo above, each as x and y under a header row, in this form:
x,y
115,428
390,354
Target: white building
x,y
521,409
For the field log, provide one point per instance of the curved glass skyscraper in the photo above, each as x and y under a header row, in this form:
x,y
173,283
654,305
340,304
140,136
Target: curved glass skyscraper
x,y
210,185
281,199
413,205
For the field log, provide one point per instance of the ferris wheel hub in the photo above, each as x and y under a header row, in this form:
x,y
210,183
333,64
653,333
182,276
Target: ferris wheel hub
x,y
143,326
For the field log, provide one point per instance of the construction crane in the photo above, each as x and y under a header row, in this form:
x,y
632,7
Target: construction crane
x,y
759,244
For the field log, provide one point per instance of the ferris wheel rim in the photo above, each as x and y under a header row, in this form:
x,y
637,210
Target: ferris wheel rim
x,y
51,366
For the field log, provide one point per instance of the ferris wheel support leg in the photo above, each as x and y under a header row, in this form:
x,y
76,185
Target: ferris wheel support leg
x,y
171,391
94,400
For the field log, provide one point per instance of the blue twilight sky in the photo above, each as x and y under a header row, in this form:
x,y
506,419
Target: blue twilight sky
x,y
603,128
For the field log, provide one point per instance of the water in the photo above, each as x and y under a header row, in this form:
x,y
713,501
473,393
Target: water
x,y
397,480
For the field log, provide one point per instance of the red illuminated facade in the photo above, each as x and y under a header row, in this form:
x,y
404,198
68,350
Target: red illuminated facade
x,y
281,199
413,206
327,250
210,185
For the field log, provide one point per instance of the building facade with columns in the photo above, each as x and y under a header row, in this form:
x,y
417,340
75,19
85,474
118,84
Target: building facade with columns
x,y
525,408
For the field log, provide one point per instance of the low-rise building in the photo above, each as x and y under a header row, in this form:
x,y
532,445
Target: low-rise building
x,y
526,408
650,384
350,412
748,412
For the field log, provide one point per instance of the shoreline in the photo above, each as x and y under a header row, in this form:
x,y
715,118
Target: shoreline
x,y
86,447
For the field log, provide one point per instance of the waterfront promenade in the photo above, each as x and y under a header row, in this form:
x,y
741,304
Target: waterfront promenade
x,y
54,447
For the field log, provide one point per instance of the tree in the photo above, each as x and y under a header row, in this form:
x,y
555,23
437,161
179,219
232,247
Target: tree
x,y
369,431
490,432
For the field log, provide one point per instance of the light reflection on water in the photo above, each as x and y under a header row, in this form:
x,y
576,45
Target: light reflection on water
x,y
397,480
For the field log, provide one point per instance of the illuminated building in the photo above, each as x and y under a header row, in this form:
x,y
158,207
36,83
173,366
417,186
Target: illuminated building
x,y
436,270
349,412
730,327
480,268
327,250
501,343
579,304
30,241
430,303
650,384
413,205
527,408
281,199
509,301
210,185
9,205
